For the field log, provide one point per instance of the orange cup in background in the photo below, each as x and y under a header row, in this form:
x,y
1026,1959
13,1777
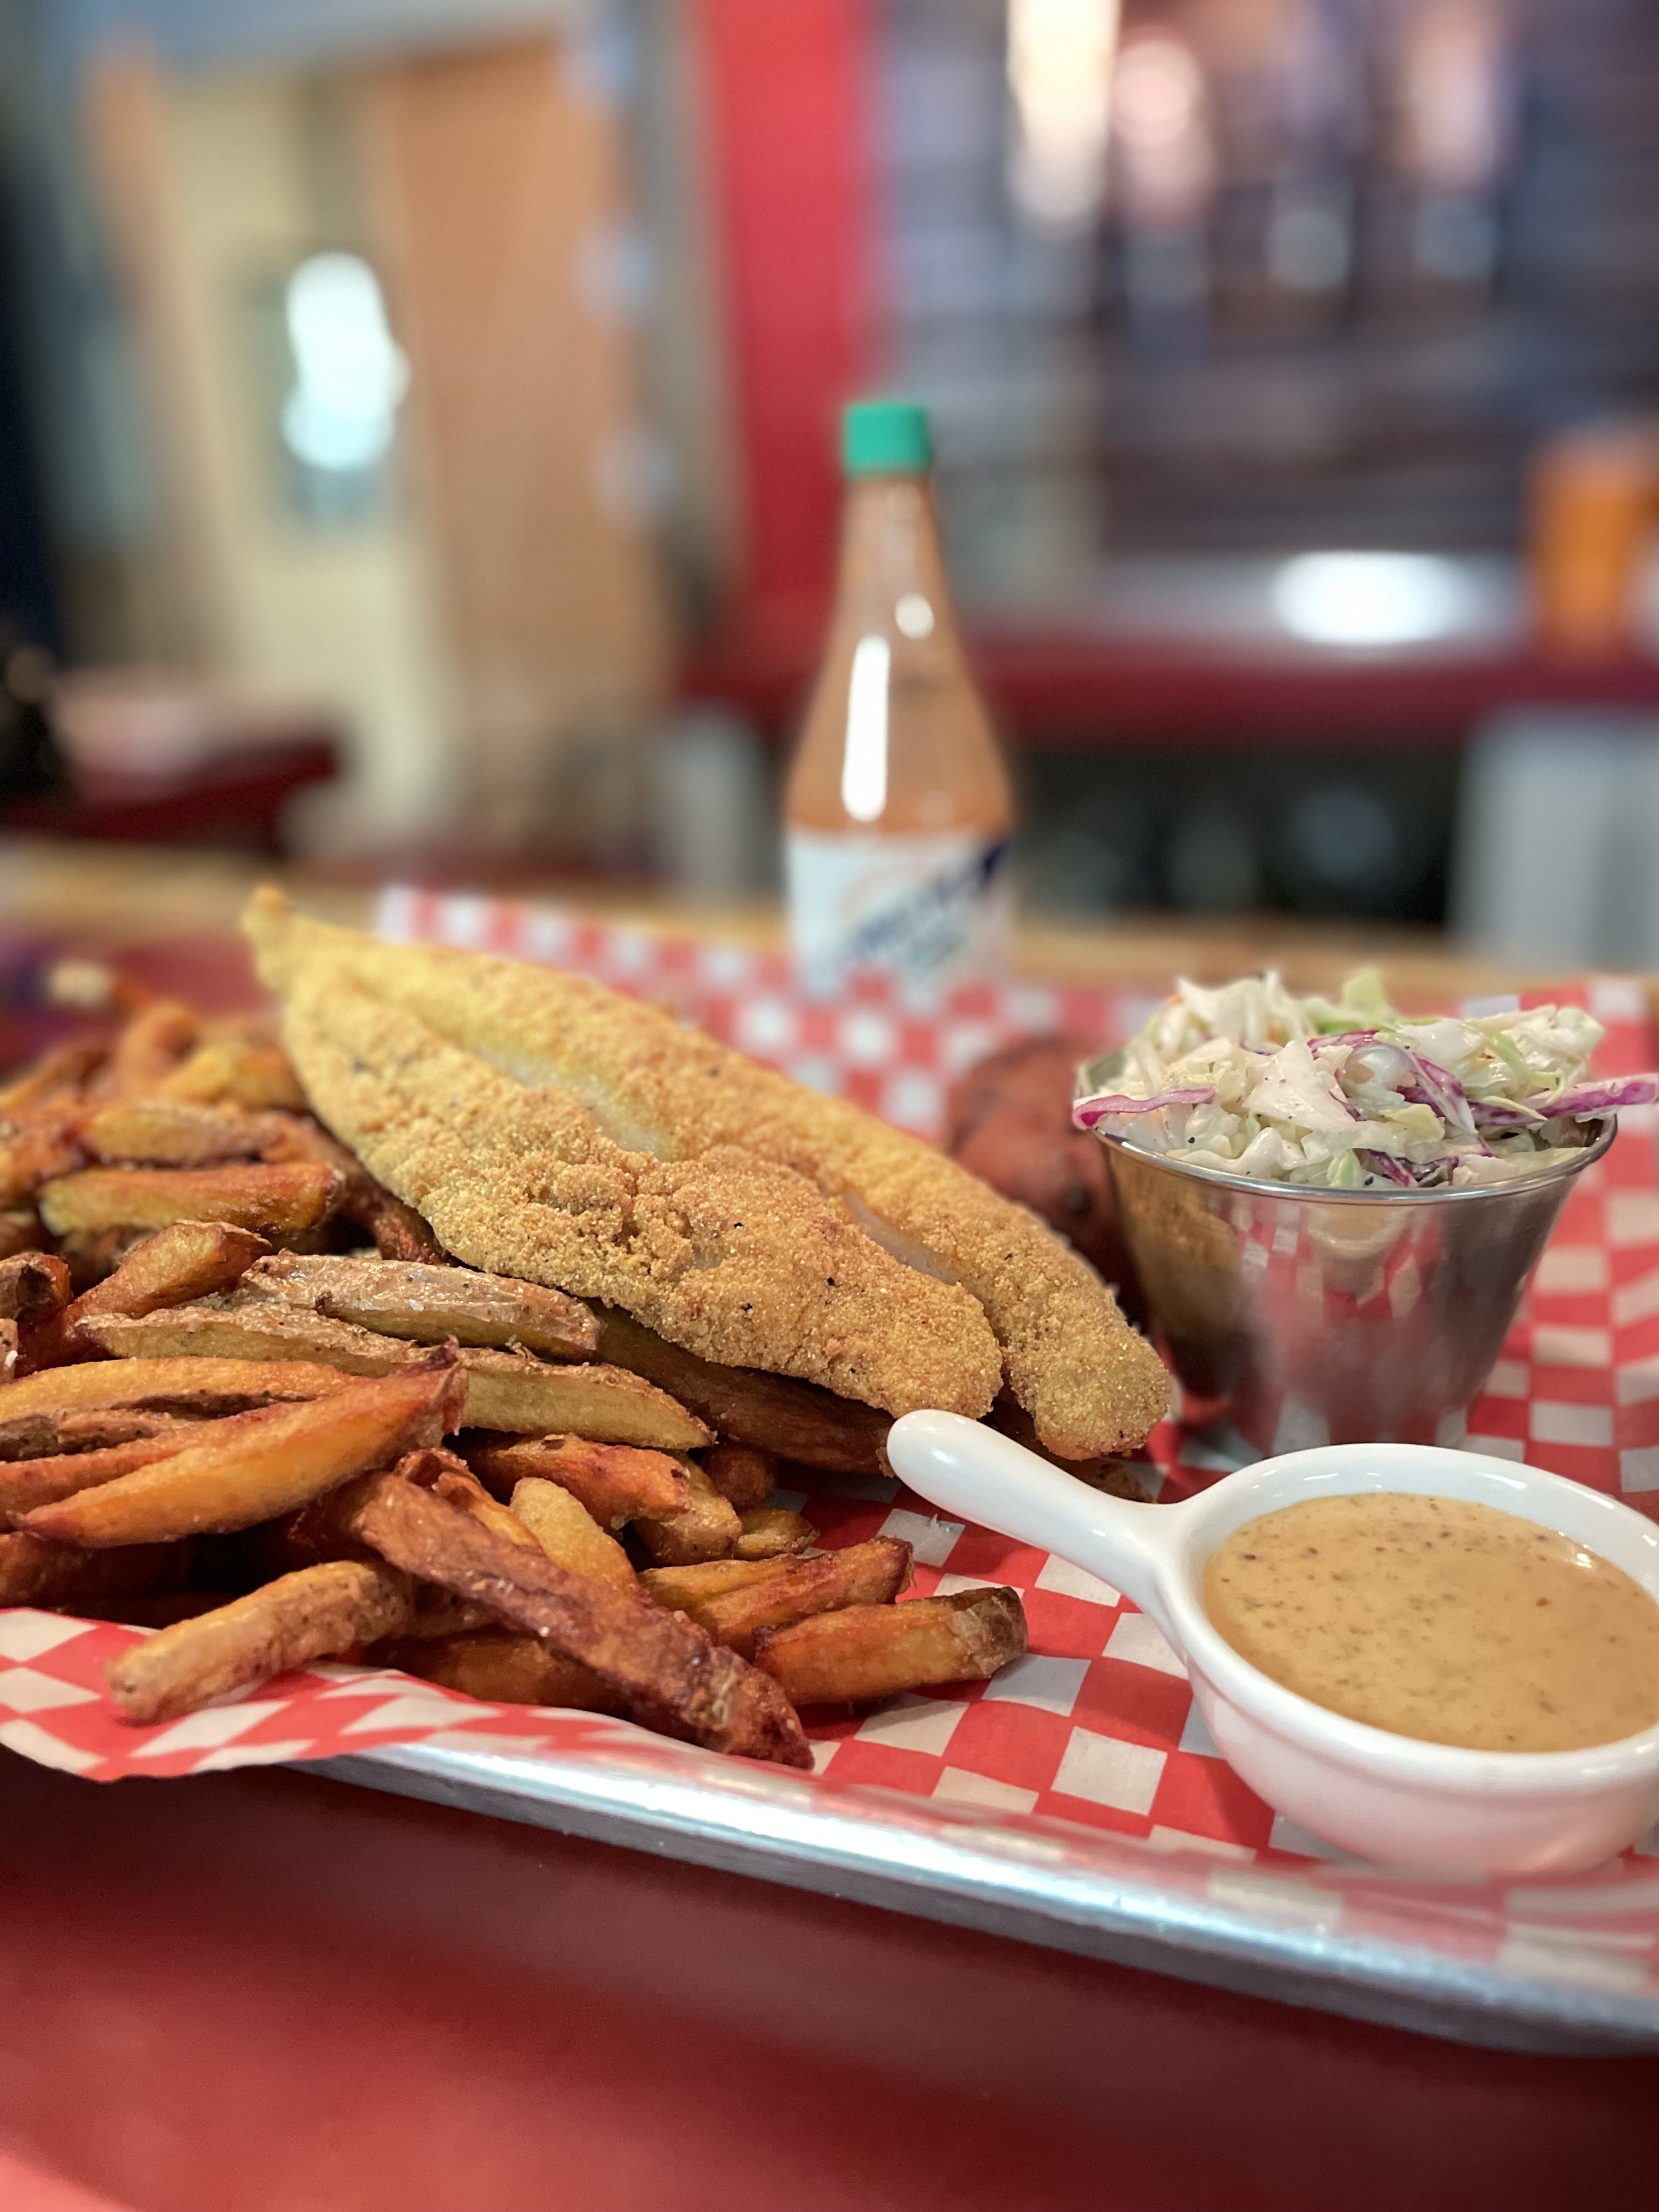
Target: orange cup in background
x,y
1593,500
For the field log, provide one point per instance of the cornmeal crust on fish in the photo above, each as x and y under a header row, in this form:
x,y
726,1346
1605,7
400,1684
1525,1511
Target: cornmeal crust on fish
x,y
551,1129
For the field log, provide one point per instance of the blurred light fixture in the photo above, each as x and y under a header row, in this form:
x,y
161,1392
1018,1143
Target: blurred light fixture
x,y
1060,75
1160,118
1373,599
341,414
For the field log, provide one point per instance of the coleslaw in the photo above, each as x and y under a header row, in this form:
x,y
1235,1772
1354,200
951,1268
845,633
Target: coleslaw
x,y
1345,1094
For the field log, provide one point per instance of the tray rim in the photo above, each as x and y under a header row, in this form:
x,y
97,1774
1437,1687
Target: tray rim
x,y
977,1875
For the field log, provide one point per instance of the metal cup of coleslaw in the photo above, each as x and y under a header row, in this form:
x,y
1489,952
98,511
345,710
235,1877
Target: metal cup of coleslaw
x,y
1295,1316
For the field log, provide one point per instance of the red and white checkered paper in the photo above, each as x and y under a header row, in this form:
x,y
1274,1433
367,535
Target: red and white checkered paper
x,y
1092,1738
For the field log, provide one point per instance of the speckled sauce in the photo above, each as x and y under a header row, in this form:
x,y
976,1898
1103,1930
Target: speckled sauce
x,y
1440,1619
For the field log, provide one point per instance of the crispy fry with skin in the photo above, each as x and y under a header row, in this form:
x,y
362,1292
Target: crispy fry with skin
x,y
283,1199
397,1230
744,1475
510,1390
36,1572
173,1133
458,1486
252,1075
670,1675
428,1304
50,1435
870,1651
34,1152
501,1668
615,1482
150,1048
708,1528
683,1590
33,1286
27,1483
187,1260
313,1614
869,1574
779,1414
264,1463
199,1388
65,1068
772,1532
568,1532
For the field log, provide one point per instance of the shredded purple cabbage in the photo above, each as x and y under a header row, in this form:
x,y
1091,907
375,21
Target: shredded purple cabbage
x,y
1586,1098
1385,1165
1088,1112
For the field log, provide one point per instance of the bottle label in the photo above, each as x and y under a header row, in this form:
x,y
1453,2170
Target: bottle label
x,y
931,910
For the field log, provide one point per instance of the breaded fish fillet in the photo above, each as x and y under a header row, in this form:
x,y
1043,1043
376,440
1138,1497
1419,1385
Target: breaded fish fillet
x,y
551,1129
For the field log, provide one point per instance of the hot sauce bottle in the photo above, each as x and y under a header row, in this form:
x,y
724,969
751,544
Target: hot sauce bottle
x,y
898,812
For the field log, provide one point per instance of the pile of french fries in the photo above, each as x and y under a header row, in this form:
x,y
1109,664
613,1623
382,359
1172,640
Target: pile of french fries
x,y
229,1362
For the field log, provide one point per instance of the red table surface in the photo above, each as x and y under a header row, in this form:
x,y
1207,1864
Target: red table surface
x,y
266,1992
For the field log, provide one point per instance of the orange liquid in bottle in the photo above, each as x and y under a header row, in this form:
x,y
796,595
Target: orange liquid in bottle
x,y
898,811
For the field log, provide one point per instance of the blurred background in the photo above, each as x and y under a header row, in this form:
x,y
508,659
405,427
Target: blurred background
x,y
417,435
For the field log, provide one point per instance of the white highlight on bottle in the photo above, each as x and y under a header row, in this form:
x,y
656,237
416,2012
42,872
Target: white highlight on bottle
x,y
864,763
913,615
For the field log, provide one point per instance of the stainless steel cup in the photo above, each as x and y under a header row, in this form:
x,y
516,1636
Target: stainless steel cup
x,y
1296,1317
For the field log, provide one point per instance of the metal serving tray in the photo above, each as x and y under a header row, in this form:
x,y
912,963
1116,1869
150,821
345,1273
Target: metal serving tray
x,y
1423,1956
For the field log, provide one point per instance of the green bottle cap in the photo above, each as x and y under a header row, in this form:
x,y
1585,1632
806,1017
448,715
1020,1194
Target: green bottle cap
x,y
886,437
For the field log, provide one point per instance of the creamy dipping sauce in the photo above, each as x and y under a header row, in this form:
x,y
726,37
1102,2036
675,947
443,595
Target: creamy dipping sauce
x,y
1440,1619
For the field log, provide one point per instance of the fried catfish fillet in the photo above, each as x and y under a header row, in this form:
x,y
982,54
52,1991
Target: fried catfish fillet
x,y
553,1130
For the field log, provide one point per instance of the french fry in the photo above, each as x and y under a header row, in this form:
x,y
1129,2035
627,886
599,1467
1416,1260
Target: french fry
x,y
398,1231
50,1435
666,1671
35,1571
150,1048
265,1463
458,1486
33,1286
27,1483
313,1614
772,1532
509,1390
868,1574
34,1152
248,1074
283,1197
868,1652
501,1668
615,1482
744,1475
707,1529
568,1532
188,1259
683,1590
428,1304
198,1389
64,1068
172,1133
797,1420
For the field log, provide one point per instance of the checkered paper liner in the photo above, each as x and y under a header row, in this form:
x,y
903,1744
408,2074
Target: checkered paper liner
x,y
1091,1743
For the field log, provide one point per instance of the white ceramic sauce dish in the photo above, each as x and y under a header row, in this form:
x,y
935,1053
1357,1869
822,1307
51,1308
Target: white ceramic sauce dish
x,y
1390,1799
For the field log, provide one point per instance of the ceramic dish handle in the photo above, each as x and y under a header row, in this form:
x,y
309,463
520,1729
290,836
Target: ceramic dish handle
x,y
974,1474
